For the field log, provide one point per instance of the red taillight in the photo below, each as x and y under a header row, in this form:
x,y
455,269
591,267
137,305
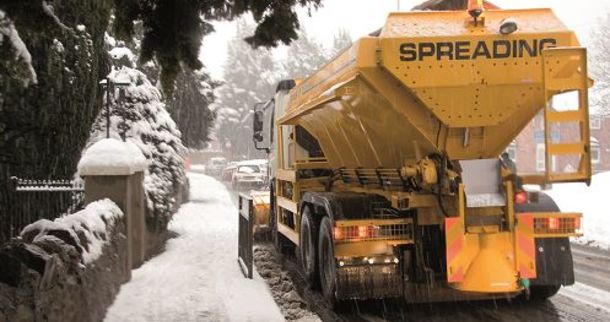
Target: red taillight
x,y
363,231
355,232
553,223
521,197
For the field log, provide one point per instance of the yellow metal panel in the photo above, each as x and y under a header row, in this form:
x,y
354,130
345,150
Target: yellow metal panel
x,y
288,232
455,23
566,148
287,204
286,175
461,86
564,116
564,70
381,116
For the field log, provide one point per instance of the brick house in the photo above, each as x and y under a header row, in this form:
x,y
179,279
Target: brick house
x,y
528,148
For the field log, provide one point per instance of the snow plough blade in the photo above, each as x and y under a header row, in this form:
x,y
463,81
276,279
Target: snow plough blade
x,y
253,225
260,209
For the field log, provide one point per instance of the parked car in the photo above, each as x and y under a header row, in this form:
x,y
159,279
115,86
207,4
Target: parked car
x,y
248,175
215,166
227,172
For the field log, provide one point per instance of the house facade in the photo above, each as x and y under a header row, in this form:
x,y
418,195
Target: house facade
x,y
528,149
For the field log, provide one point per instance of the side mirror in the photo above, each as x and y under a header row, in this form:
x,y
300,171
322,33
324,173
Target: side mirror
x,y
258,137
257,125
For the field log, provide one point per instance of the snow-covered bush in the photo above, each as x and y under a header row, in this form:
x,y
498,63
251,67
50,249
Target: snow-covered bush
x,y
140,117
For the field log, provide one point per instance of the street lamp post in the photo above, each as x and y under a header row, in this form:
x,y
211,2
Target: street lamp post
x,y
109,84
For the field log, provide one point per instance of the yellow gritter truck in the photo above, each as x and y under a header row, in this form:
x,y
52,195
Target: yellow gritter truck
x,y
386,172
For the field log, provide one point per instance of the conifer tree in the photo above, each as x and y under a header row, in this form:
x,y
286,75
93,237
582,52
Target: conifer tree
x,y
305,55
250,77
341,41
600,64
174,29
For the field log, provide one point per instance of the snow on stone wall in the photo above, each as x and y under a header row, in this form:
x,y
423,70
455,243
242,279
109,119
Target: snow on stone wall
x,y
89,228
69,269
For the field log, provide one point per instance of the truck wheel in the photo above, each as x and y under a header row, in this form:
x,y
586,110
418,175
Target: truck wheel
x,y
307,246
326,261
543,292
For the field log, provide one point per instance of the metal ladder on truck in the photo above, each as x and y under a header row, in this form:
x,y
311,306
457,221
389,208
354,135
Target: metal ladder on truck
x,y
565,70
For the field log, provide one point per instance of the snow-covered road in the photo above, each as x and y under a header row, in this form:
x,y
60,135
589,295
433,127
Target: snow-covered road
x,y
197,278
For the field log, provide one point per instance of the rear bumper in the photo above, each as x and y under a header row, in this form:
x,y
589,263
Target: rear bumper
x,y
249,183
369,282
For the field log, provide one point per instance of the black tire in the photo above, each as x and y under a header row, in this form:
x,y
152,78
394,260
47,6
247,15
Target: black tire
x,y
326,262
308,241
543,292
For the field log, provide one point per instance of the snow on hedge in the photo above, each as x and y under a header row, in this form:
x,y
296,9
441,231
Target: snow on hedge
x,y
591,201
89,228
140,117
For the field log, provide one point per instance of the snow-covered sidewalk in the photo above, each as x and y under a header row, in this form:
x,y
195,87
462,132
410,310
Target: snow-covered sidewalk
x,y
197,278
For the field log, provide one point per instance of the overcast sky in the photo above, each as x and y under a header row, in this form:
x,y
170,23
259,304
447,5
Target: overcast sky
x,y
360,17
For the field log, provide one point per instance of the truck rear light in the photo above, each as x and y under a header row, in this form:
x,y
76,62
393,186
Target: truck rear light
x,y
338,233
356,232
553,223
361,230
568,225
521,197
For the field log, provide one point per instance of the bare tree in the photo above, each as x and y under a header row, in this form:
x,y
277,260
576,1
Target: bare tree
x,y
599,62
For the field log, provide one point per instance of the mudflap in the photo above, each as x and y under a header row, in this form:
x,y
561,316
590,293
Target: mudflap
x,y
554,264
369,282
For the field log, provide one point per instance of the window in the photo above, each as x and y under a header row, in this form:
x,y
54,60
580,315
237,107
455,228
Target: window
x,y
540,157
512,151
248,169
595,151
595,122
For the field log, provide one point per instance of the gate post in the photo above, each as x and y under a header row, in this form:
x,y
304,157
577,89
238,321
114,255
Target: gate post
x,y
114,169
245,241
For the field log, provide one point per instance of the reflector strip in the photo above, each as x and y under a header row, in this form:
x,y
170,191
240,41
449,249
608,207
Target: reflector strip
x,y
454,236
525,246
